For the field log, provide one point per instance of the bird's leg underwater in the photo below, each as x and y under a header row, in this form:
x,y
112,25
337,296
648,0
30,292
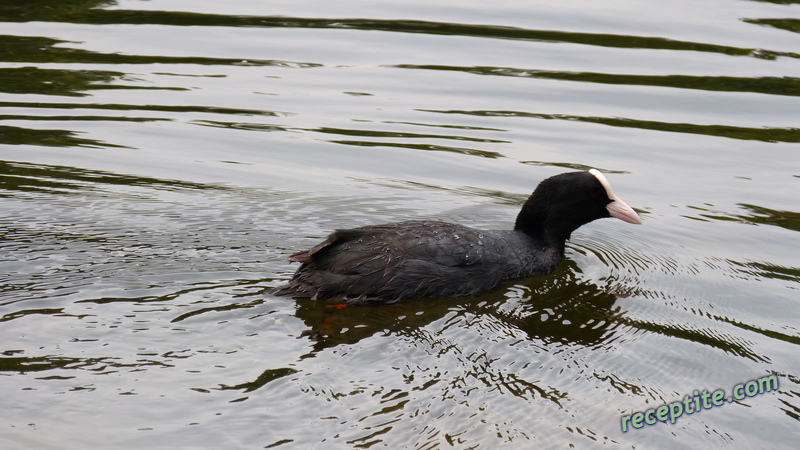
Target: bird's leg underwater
x,y
325,327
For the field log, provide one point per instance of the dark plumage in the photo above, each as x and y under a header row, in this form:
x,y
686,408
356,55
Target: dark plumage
x,y
395,261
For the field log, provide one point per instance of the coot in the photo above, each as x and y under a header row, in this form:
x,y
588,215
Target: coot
x,y
416,259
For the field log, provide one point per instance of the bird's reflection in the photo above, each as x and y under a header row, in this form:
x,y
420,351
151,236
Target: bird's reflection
x,y
558,307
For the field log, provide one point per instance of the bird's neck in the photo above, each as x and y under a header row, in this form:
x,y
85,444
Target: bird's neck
x,y
538,221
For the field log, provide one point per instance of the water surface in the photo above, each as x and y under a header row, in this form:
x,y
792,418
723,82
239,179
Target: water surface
x,y
159,160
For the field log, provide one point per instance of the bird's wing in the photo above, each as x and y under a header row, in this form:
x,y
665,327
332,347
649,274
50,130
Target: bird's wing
x,y
375,248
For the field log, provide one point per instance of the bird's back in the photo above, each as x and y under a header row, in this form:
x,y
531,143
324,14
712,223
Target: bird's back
x,y
414,259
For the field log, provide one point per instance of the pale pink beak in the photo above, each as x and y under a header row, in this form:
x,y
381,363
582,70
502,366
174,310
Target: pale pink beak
x,y
617,208
622,211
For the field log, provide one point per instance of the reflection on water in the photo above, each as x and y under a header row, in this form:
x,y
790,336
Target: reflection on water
x,y
760,134
44,50
49,138
565,310
17,176
32,80
762,85
89,15
758,215
158,165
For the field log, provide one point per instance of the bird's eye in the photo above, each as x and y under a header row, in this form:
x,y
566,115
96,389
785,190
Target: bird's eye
x,y
594,192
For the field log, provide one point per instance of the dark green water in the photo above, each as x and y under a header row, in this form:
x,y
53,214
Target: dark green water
x,y
159,160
